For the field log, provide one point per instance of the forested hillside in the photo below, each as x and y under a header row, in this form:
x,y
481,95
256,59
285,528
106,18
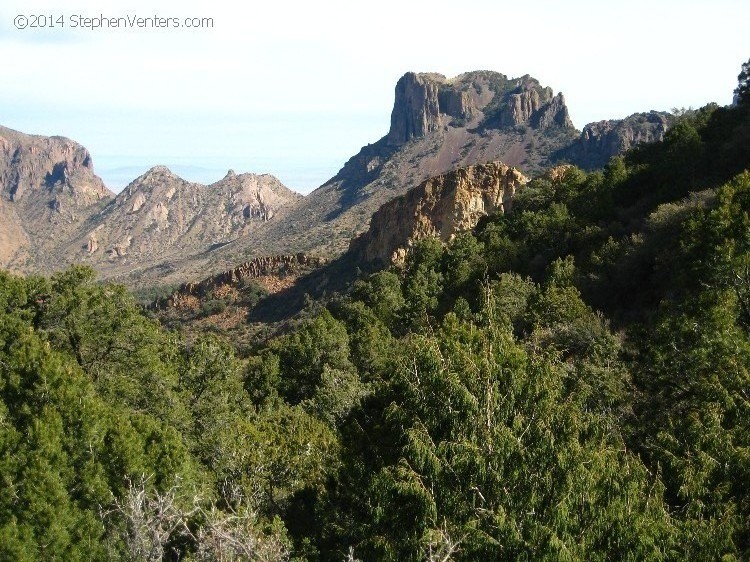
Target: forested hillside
x,y
569,381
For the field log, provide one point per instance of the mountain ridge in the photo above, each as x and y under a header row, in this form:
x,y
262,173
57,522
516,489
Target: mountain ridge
x,y
142,236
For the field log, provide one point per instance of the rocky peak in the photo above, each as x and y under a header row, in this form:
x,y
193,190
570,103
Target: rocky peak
x,y
256,196
48,188
161,216
426,103
537,107
156,175
439,207
529,103
33,164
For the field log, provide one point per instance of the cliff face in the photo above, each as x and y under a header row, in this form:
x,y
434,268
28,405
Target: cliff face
x,y
416,111
273,272
439,207
426,103
33,166
47,190
535,106
602,140
438,124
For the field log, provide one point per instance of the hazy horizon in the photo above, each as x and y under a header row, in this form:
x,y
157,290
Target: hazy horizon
x,y
118,171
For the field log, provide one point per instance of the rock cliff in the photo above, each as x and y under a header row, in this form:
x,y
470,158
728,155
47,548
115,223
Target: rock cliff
x,y
437,124
33,165
48,189
602,140
439,207
535,106
273,272
426,103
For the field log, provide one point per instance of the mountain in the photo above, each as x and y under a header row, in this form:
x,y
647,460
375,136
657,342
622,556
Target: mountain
x,y
163,229
437,124
54,211
160,219
48,189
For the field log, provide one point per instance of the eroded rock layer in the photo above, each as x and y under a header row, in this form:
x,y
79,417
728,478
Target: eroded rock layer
x,y
439,207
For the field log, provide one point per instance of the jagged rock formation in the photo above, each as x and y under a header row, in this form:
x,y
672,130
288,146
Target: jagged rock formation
x,y
163,229
439,207
161,218
536,106
416,112
30,164
268,270
602,140
47,190
425,103
437,125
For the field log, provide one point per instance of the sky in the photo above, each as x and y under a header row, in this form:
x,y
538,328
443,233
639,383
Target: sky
x,y
295,88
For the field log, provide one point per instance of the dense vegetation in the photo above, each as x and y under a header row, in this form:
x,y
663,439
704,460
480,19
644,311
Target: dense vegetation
x,y
570,381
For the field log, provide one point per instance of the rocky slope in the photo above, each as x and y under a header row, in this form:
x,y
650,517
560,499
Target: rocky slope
x,y
165,230
48,189
160,220
439,207
229,301
437,125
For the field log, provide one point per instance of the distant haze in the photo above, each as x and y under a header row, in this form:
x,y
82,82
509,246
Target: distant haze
x,y
295,88
118,171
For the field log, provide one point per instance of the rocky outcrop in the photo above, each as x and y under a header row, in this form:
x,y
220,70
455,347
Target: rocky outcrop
x,y
455,103
416,111
161,216
35,165
48,190
552,114
535,106
426,103
273,266
602,140
438,124
439,207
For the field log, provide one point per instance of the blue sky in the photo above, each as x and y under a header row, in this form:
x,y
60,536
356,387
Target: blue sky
x,y
296,88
